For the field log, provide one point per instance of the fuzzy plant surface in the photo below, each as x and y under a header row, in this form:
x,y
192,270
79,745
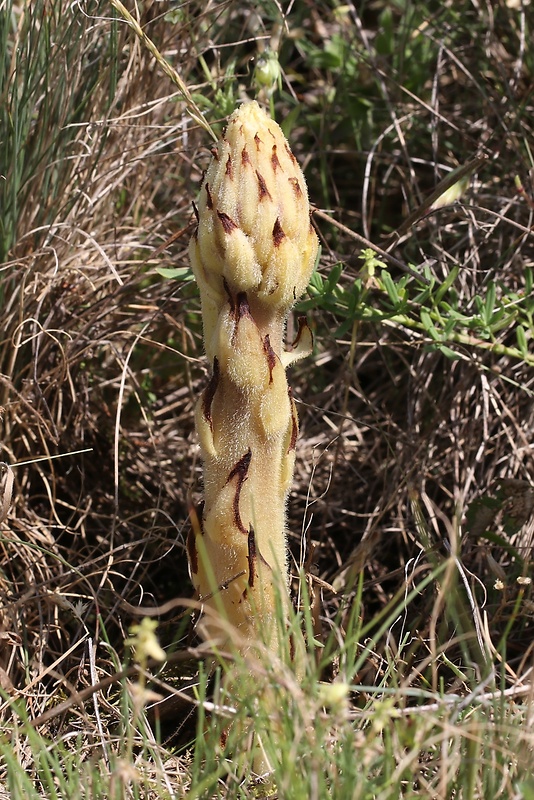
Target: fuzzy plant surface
x,y
252,254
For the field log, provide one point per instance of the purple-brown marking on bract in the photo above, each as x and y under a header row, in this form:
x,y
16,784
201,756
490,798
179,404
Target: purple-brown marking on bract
x,y
303,325
290,154
278,233
262,187
227,222
229,168
209,392
240,309
245,158
257,141
195,517
242,306
240,471
209,199
292,648
271,356
215,153
296,186
251,556
191,548
274,160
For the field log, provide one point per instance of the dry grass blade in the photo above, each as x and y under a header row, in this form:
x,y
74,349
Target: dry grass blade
x,y
456,176
194,111
7,480
362,240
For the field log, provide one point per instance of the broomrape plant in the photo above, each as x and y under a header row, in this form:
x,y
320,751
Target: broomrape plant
x,y
252,254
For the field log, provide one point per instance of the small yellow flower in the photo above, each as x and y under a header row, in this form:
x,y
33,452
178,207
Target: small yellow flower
x,y
334,695
144,642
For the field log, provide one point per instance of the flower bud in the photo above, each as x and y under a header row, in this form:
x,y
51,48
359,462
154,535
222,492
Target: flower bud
x,y
254,232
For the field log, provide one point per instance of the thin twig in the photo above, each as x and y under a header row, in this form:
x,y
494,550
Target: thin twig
x,y
194,112
359,238
6,489
94,681
447,700
458,174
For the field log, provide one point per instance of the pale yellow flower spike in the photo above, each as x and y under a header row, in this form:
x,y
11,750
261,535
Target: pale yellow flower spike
x,y
252,255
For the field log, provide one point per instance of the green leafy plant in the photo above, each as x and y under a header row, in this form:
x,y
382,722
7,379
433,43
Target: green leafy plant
x,y
500,321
